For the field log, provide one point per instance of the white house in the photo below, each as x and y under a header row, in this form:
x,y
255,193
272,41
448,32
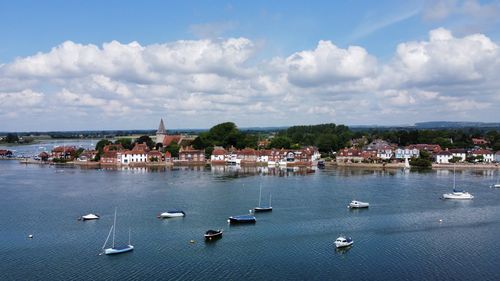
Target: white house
x,y
487,155
444,157
459,153
402,153
385,153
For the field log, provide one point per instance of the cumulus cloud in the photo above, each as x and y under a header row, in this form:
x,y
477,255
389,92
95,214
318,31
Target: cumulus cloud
x,y
197,83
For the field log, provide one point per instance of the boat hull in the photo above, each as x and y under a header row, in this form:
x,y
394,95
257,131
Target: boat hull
x,y
458,196
171,215
242,220
90,217
118,250
343,244
358,204
263,209
213,235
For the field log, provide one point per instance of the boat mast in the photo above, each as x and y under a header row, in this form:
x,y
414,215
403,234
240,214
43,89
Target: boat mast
x,y
270,197
129,235
260,193
114,228
453,177
107,238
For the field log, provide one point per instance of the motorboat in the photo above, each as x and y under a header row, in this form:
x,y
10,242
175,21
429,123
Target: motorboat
x,y
458,194
358,204
172,214
496,185
343,241
90,217
116,249
242,219
213,234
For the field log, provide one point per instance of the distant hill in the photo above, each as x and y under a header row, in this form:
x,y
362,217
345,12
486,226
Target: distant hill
x,y
458,125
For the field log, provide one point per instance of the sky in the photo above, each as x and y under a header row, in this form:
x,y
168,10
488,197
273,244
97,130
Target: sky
x,y
98,65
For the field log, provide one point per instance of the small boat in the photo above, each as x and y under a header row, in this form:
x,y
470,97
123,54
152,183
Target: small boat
x,y
260,208
90,217
172,214
213,234
242,219
457,194
321,164
116,250
496,185
343,241
358,204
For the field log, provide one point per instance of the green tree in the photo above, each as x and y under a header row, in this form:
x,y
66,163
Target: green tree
x,y
173,148
11,138
100,145
147,140
125,142
281,142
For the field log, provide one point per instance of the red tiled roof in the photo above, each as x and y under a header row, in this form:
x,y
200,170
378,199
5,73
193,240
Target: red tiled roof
x,y
219,151
482,151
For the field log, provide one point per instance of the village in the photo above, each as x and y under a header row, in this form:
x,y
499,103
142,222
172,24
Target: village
x,y
361,152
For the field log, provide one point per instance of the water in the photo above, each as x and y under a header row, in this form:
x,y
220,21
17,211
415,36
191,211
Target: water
x,y
400,237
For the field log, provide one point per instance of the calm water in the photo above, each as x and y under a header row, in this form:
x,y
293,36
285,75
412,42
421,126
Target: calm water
x,y
398,238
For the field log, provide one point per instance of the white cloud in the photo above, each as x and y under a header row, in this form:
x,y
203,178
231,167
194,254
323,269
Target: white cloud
x,y
197,83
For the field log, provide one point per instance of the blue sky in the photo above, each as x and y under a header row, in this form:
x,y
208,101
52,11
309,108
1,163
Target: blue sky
x,y
288,62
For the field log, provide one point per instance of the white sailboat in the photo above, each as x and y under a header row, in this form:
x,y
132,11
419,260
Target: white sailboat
x,y
114,249
497,185
457,194
260,208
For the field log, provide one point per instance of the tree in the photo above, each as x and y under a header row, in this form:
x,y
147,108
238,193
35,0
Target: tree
x,y
173,148
100,145
147,140
11,138
125,142
281,142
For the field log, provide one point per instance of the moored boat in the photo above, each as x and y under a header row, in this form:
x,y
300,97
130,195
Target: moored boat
x,y
358,204
343,241
260,208
116,249
90,217
458,194
242,219
213,234
172,214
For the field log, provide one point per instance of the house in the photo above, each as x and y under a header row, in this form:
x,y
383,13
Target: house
x,y
188,155
385,153
218,156
443,157
247,156
66,152
137,155
497,156
348,155
155,156
87,155
5,153
483,155
44,156
110,158
459,153
431,148
112,147
479,141
403,153
377,144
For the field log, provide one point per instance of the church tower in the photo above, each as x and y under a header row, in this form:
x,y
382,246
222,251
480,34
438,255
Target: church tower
x,y
161,133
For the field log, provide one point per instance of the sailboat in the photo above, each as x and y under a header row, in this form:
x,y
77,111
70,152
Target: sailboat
x,y
457,194
497,185
260,208
116,250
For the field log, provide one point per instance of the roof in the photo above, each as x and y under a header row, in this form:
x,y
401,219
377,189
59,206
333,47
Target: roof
x,y
482,151
447,153
219,151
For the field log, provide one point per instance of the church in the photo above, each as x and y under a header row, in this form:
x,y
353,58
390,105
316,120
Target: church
x,y
164,138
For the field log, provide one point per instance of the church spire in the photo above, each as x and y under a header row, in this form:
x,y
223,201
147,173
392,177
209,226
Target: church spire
x,y
161,128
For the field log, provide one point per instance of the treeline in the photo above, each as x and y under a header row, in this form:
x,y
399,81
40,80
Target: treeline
x,y
226,135
326,137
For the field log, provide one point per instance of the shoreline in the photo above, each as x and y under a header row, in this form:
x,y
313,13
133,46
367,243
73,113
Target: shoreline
x,y
461,166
